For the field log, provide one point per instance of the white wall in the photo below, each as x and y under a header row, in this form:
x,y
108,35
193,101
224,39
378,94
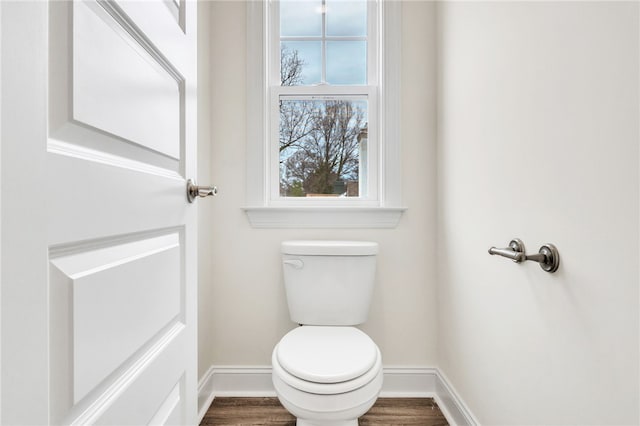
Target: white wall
x,y
247,311
205,207
538,139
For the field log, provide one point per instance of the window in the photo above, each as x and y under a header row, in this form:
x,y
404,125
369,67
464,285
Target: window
x,y
323,101
323,93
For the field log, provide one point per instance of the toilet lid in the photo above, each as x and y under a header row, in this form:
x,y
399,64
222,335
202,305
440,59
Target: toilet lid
x,y
326,354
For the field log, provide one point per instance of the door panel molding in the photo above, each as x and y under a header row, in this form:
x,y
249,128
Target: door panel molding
x,y
100,97
106,312
134,380
169,168
123,20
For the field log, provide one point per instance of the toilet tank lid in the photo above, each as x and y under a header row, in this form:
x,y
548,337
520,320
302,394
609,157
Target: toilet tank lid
x,y
330,248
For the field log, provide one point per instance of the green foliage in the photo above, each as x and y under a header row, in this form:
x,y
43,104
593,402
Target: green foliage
x,y
296,189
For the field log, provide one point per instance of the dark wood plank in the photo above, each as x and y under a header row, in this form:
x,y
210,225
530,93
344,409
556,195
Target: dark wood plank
x,y
247,411
268,411
404,411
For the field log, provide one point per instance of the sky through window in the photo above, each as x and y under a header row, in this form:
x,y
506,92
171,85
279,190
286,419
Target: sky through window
x,y
330,37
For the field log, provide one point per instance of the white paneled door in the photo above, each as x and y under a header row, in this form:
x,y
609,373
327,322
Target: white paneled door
x,y
98,139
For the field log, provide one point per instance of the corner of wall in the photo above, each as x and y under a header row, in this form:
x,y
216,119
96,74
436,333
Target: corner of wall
x,y
451,404
204,175
205,393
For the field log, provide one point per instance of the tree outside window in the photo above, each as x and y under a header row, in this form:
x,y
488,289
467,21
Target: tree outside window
x,y
320,140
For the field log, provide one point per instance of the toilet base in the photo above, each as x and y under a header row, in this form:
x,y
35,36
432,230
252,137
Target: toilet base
x,y
328,410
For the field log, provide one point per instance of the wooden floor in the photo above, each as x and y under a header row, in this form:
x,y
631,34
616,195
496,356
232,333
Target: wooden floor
x,y
268,411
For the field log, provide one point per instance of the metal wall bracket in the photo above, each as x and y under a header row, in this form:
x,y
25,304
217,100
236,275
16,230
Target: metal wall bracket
x,y
548,256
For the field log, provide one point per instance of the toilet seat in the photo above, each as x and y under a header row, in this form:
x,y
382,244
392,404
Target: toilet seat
x,y
326,360
326,354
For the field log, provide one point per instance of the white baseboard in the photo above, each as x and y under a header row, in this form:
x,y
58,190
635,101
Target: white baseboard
x,y
242,381
408,382
452,406
399,382
205,393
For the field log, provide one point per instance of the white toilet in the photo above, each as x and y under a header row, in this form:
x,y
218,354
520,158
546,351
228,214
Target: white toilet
x,y
328,372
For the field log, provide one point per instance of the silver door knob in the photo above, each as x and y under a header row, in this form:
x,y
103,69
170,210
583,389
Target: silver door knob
x,y
194,191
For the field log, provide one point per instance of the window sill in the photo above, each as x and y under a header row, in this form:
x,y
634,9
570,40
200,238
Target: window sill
x,y
324,217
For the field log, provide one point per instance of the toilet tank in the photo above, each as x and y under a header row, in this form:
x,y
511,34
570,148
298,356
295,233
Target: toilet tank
x,y
329,282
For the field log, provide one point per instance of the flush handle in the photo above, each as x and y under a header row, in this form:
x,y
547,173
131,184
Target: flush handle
x,y
295,263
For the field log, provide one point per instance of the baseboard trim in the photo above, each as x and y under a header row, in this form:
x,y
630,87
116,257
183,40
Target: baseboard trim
x,y
205,393
452,406
399,382
408,382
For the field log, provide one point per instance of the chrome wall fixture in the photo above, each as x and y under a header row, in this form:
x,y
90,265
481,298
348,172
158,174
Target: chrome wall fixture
x,y
548,256
194,191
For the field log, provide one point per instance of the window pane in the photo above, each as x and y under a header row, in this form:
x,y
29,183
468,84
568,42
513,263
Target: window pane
x,y
301,18
323,148
300,62
347,62
346,18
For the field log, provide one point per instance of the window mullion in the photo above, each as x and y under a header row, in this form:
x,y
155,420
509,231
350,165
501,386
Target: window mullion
x,y
325,90
319,38
373,43
273,43
323,78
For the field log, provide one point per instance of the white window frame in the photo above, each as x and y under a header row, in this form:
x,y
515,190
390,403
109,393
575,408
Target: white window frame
x,y
381,208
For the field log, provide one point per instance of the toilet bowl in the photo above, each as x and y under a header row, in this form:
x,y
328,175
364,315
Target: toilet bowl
x,y
327,375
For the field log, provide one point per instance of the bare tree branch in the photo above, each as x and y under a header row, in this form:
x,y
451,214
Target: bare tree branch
x,y
318,139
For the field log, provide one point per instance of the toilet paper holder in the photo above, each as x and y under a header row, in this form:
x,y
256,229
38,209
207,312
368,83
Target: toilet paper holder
x,y
548,256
